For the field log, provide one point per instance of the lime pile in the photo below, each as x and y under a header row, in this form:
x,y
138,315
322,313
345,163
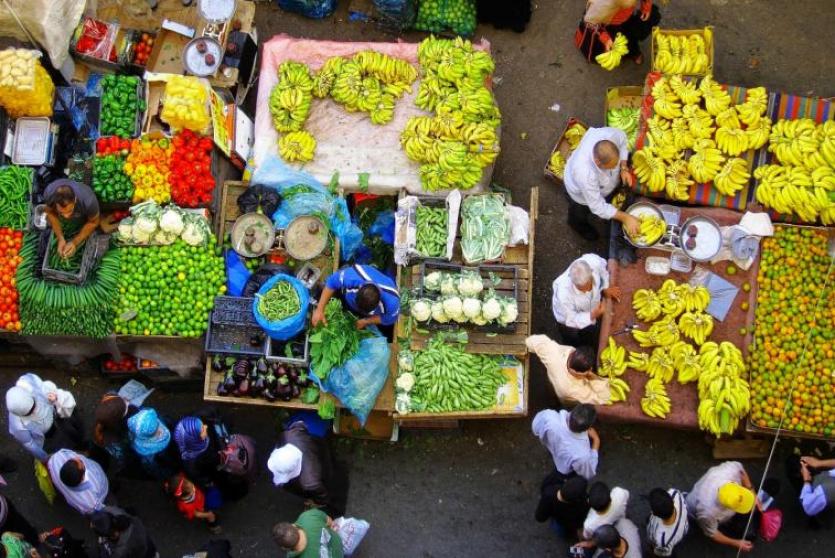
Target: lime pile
x,y
436,16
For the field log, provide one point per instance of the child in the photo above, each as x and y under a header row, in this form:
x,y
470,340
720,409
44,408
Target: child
x,y
192,502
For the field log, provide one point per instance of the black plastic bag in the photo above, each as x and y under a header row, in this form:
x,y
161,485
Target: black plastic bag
x,y
261,275
258,197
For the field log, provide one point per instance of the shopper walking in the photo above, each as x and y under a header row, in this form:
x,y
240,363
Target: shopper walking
x,y
578,300
121,535
570,438
41,417
193,503
310,536
151,441
603,19
564,503
721,502
607,507
620,540
668,523
80,480
570,371
110,433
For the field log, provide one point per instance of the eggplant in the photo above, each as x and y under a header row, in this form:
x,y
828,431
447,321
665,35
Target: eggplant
x,y
283,389
243,387
242,368
270,395
270,381
281,372
221,388
229,381
217,364
260,384
229,361
261,366
295,391
293,374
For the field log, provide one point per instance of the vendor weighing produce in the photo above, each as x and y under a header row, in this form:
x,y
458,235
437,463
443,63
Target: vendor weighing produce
x,y
366,291
71,209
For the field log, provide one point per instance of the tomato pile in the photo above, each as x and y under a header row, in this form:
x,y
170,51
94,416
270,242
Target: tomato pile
x,y
147,167
142,49
191,177
126,364
10,243
786,382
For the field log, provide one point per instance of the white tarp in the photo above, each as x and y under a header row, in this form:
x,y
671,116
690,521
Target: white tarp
x,y
51,23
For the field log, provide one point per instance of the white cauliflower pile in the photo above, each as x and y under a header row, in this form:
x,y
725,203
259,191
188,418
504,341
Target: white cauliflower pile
x,y
152,225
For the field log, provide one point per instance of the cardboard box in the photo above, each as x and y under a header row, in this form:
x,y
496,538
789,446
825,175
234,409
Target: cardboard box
x,y
232,129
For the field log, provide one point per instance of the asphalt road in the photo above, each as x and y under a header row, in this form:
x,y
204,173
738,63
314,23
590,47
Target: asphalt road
x,y
472,491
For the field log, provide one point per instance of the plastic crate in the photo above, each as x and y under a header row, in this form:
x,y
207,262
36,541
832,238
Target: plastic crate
x,y
503,289
140,114
274,350
233,310
95,247
234,339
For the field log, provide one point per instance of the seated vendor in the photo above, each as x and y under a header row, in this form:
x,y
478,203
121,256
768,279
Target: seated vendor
x,y
366,291
72,211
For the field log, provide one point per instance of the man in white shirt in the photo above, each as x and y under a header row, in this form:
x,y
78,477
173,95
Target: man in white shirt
x,y
592,173
668,521
607,507
577,300
618,540
570,439
818,491
721,501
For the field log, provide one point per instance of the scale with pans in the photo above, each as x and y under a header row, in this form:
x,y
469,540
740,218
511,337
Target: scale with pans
x,y
254,235
698,239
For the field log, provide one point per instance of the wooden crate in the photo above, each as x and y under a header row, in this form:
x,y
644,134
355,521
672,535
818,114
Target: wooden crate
x,y
622,96
563,147
229,212
210,394
685,32
512,344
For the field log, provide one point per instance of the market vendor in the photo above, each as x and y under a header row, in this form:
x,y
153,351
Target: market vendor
x,y
366,291
592,173
571,371
578,302
72,211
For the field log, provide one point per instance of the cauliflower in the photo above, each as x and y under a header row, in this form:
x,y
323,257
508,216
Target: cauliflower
x,y
448,286
405,382
471,307
453,307
432,282
438,313
470,284
126,229
139,236
171,221
163,238
194,234
491,309
460,318
406,361
510,311
480,320
403,403
146,224
421,310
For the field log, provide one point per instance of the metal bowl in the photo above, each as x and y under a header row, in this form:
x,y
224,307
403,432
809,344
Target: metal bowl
x,y
708,238
639,209
195,62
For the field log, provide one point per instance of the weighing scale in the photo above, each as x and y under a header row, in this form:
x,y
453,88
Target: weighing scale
x,y
253,235
305,237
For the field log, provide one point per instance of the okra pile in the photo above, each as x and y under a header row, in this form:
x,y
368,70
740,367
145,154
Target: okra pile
x,y
432,231
280,302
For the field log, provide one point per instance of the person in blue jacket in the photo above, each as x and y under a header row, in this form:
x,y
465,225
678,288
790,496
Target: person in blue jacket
x,y
366,291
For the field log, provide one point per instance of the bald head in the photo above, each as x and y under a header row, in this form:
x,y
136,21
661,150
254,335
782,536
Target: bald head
x,y
606,154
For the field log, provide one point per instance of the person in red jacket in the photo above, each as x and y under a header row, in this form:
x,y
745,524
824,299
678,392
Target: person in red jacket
x,y
603,19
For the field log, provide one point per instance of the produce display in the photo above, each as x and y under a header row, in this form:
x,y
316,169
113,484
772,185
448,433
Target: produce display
x,y
724,393
190,171
110,183
125,364
258,378
651,229
52,308
332,344
152,225
455,144
612,366
186,104
297,146
96,39
147,165
291,97
793,357
462,298
697,135
444,378
801,181
437,16
10,244
142,49
280,302
626,119
167,290
71,264
573,134
15,183
120,106
485,228
683,54
610,59
432,231
25,87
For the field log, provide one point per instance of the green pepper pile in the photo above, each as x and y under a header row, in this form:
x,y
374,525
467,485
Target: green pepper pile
x,y
110,183
280,302
432,231
120,105
333,344
15,183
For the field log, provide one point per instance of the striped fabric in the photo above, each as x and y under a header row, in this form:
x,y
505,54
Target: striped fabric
x,y
88,496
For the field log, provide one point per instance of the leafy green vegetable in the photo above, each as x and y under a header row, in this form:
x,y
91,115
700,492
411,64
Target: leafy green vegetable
x,y
310,395
333,344
327,408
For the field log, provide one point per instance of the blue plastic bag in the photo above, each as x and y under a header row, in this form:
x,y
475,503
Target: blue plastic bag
x,y
289,327
275,173
358,382
383,226
316,9
236,274
398,13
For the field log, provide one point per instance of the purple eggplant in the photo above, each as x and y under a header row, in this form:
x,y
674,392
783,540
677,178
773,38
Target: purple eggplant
x,y
243,387
281,372
229,381
295,391
293,374
270,395
221,388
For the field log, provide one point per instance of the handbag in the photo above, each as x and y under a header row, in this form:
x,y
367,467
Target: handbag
x,y
44,482
587,37
771,521
351,531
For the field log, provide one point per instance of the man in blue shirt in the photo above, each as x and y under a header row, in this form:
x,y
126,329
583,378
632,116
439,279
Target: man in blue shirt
x,y
365,291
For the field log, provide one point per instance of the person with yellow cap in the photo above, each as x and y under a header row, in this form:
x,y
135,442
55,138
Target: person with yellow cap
x,y
721,502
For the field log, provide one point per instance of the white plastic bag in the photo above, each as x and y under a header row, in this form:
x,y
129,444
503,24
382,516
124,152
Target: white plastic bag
x,y
351,530
520,223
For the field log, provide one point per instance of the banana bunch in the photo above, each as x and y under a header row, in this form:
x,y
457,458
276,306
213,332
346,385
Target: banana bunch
x,y
638,361
431,90
706,162
661,366
297,146
326,76
671,296
696,325
732,141
683,137
686,362
682,54
665,331
289,107
650,230
696,299
792,190
655,402
753,109
686,91
650,169
716,99
389,70
678,181
646,338
556,164
612,360
758,133
433,177
610,59
295,75
792,141
647,304
626,119
462,64
667,106
733,176
699,121
482,142
618,390
724,394
574,134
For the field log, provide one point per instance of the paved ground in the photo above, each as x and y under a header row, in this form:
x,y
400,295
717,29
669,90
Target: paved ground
x,y
472,492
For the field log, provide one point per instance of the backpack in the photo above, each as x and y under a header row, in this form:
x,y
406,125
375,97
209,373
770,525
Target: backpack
x,y
238,457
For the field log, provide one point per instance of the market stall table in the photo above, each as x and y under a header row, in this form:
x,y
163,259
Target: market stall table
x,y
618,316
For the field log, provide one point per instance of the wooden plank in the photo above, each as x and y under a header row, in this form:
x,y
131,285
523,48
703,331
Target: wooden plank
x,y
749,448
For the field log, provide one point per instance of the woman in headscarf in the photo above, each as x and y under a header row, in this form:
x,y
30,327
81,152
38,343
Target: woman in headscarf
x,y
200,451
150,439
603,19
15,547
111,432
41,417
